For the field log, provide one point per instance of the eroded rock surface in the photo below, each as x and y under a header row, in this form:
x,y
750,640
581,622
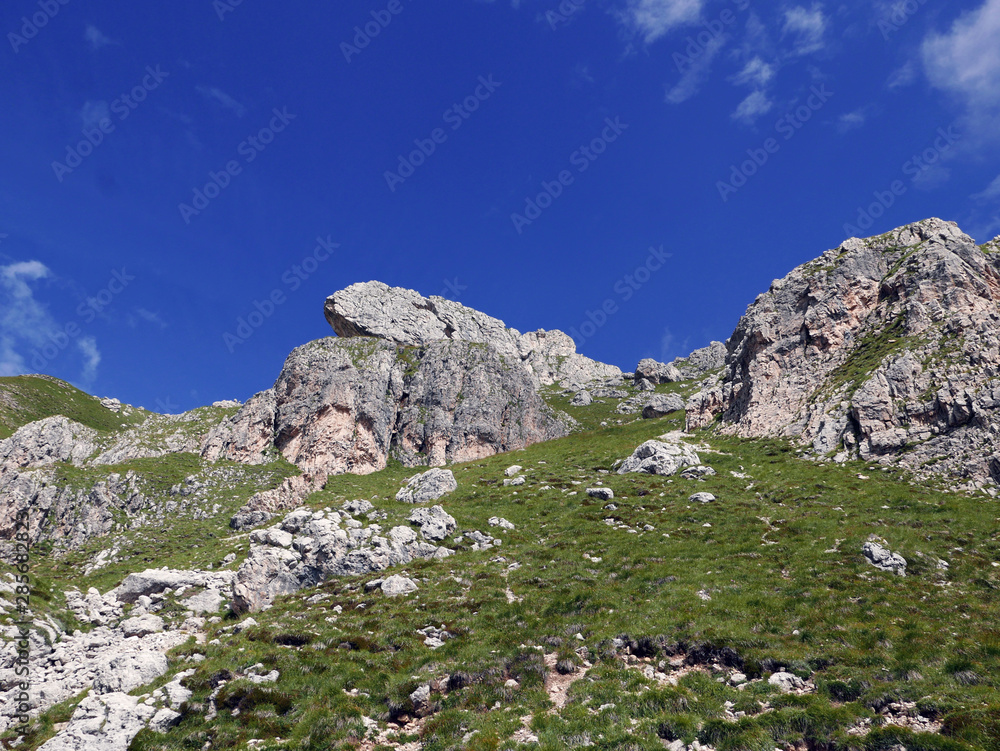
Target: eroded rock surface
x,y
886,348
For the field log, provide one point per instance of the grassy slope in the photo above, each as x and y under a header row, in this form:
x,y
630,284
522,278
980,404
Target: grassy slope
x,y
24,399
863,636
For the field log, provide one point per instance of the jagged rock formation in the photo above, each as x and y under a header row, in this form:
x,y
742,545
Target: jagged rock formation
x,y
307,548
885,348
410,319
345,405
53,439
701,361
665,456
427,486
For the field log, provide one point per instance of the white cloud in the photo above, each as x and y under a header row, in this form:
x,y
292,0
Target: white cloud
x,y
807,26
692,79
853,120
651,19
991,193
755,73
30,338
222,98
95,38
903,76
148,316
93,113
966,59
751,108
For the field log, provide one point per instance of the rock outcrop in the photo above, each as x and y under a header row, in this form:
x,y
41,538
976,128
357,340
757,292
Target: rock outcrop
x,y
309,547
346,405
665,456
427,486
886,348
408,318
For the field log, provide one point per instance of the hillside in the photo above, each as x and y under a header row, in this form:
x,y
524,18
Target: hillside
x,y
596,577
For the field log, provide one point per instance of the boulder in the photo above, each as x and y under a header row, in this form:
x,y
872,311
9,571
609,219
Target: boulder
x,y
884,559
435,523
428,486
657,372
398,585
128,671
701,498
582,399
107,722
661,405
601,494
142,625
660,458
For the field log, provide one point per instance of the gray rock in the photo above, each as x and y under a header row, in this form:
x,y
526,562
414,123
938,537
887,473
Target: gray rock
x,y
514,481
697,473
435,523
44,442
657,372
663,457
205,602
512,470
128,671
787,682
398,585
289,494
886,349
702,361
247,436
644,384
582,399
601,494
661,405
884,559
154,581
701,498
499,521
405,317
428,486
142,625
163,720
108,723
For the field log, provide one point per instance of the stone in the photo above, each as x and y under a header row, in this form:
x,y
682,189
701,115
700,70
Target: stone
x,y
787,682
657,372
205,602
601,494
512,470
883,349
154,581
582,399
514,481
661,457
109,723
398,585
499,521
701,498
262,506
428,486
407,318
702,361
435,523
661,405
697,473
128,671
47,441
142,625
884,559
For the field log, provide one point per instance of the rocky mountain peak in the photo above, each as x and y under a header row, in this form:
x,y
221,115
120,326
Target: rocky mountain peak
x,y
881,345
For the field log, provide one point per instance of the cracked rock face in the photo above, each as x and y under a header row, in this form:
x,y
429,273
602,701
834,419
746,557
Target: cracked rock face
x,y
880,345
408,318
662,457
428,486
346,405
309,547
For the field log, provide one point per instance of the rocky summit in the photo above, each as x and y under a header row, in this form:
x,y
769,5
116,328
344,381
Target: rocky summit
x,y
433,532
886,348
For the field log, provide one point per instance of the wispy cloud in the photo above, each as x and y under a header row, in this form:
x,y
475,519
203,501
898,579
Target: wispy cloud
x,y
223,99
147,316
754,106
692,79
30,338
991,193
965,61
756,73
902,76
853,120
806,27
651,19
92,113
95,38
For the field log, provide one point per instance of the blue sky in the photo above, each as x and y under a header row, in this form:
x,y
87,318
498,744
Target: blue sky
x,y
183,184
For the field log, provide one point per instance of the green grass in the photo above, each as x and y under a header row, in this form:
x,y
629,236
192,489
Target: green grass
x,y
24,399
868,354
778,599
